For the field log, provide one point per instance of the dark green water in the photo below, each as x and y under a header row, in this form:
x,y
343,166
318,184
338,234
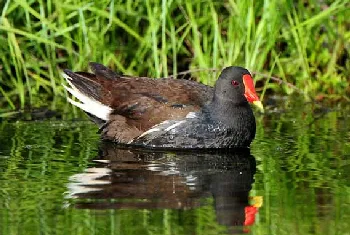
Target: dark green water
x,y
57,178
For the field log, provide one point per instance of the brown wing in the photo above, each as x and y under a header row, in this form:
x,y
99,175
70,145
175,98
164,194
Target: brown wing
x,y
139,103
146,102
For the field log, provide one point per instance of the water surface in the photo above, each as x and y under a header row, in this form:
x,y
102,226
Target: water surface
x,y
56,177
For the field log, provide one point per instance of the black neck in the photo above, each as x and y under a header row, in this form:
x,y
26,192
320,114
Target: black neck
x,y
228,109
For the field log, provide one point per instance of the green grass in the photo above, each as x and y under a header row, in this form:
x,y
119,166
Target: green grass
x,y
304,43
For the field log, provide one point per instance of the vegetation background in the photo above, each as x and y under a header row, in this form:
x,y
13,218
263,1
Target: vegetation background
x,y
302,153
304,43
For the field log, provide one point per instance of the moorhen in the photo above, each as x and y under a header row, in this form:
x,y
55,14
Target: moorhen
x,y
166,112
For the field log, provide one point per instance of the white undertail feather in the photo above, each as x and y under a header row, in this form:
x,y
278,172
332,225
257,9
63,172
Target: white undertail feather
x,y
87,103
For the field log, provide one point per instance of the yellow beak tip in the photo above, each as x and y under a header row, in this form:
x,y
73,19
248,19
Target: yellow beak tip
x,y
259,105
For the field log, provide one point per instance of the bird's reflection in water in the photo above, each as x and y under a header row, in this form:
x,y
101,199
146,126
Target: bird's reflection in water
x,y
139,179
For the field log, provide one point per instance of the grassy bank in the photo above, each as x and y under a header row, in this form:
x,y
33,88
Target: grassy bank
x,y
305,43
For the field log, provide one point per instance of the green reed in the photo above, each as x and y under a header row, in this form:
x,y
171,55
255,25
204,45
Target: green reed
x,y
306,44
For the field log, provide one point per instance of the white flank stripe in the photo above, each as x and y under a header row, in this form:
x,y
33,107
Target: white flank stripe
x,y
86,103
175,125
153,129
149,131
191,115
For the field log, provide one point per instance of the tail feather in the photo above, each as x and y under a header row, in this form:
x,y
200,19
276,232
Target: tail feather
x,y
102,71
84,83
87,92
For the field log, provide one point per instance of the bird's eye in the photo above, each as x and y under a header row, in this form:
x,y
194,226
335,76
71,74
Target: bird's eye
x,y
234,83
